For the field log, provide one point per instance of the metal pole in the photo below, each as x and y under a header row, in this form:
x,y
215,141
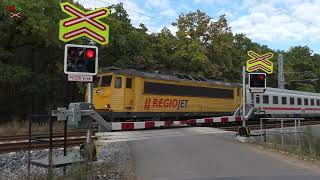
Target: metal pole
x,y
70,99
90,100
50,147
282,133
281,79
29,149
90,95
65,142
265,131
243,96
65,137
88,135
261,129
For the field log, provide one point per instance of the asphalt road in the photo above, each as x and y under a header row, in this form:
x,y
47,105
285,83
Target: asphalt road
x,y
209,156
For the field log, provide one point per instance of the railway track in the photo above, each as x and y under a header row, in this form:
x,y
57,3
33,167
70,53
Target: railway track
x,y
39,135
23,146
21,142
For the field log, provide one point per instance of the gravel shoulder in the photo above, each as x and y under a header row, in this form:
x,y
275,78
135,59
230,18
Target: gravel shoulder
x,y
114,161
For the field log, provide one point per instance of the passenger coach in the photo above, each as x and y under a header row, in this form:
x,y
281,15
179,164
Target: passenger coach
x,y
134,95
286,103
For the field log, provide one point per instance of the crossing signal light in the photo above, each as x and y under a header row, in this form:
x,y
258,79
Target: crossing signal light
x,y
12,8
257,80
81,59
90,53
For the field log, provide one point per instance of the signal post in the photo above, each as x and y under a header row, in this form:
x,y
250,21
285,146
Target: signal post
x,y
81,61
257,81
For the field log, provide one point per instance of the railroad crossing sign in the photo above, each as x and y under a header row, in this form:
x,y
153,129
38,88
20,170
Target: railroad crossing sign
x,y
84,24
260,62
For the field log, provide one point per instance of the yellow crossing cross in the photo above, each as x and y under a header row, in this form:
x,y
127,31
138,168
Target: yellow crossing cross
x,y
260,62
84,24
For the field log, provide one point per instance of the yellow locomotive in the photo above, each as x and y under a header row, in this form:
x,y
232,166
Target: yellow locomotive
x,y
121,95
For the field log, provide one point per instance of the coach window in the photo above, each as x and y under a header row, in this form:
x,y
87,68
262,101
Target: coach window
x,y
129,83
265,99
275,100
118,82
299,102
284,100
306,102
312,102
258,99
106,81
291,100
318,102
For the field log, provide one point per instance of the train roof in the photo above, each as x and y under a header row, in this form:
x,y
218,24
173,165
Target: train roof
x,y
291,92
169,77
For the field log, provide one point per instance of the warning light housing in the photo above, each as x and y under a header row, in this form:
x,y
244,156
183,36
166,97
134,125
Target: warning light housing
x,y
257,80
81,59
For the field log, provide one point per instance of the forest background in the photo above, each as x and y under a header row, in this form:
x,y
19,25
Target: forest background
x,y
31,56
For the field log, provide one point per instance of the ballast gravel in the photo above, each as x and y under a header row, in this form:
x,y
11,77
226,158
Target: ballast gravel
x,y
114,162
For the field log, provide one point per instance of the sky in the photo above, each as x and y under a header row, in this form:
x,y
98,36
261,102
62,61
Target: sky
x,y
279,24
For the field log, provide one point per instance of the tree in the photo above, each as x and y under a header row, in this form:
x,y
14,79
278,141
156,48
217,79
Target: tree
x,y
31,56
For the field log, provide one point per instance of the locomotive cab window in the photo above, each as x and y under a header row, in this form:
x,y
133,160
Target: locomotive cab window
x,y
291,100
96,82
275,99
265,99
129,83
299,101
106,81
118,82
318,102
306,102
312,102
284,100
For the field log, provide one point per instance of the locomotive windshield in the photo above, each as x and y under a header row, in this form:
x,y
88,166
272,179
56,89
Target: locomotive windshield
x,y
106,81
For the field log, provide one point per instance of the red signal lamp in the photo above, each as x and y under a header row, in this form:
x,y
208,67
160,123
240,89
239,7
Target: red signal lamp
x,y
90,54
12,8
262,77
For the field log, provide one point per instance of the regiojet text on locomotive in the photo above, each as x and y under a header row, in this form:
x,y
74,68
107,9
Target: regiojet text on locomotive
x,y
165,103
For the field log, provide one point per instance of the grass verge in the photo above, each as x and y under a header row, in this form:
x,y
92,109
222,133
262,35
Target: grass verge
x,y
304,146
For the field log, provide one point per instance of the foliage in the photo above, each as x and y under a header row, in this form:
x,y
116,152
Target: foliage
x,y
31,56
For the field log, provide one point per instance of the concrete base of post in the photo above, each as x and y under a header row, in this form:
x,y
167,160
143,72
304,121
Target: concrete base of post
x,y
243,139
